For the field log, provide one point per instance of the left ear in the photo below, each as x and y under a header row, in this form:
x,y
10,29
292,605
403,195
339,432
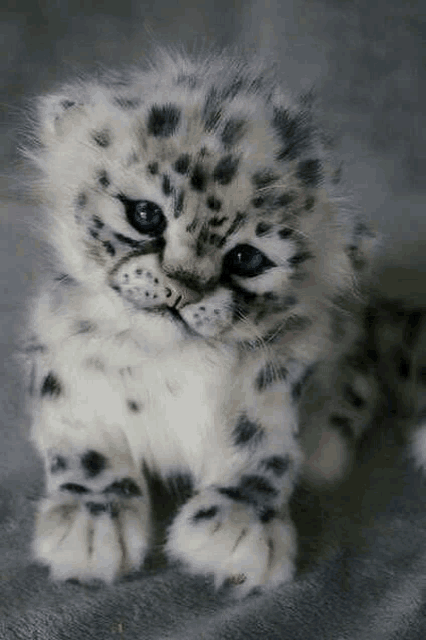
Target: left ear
x,y
57,114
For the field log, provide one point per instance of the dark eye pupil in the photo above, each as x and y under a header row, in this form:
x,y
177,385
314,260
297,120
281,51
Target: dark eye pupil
x,y
248,256
145,216
148,212
245,260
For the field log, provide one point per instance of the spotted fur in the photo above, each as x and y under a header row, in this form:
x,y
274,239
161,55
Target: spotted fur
x,y
210,269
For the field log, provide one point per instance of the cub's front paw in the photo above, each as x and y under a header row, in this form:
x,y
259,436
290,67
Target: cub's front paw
x,y
88,534
232,540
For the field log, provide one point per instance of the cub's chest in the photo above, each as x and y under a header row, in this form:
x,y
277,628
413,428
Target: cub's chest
x,y
189,380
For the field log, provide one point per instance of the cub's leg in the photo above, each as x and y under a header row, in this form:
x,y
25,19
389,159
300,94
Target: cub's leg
x,y
237,526
94,522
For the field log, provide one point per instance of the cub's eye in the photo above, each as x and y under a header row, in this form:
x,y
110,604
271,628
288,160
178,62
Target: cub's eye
x,y
247,261
145,216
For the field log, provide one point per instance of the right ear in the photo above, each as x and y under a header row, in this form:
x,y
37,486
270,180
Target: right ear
x,y
57,114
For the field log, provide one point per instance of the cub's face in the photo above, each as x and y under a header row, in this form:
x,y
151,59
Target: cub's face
x,y
183,206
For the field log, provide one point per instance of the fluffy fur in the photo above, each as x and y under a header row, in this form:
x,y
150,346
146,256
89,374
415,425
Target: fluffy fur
x,y
207,272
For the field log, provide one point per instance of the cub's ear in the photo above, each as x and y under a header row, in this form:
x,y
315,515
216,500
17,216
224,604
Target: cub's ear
x,y
57,114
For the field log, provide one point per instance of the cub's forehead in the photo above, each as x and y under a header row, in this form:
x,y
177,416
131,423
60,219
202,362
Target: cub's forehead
x,y
224,139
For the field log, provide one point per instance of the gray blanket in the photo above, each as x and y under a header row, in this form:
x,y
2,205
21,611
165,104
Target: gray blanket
x,y
362,570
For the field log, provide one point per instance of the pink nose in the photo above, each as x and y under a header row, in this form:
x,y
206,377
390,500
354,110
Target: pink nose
x,y
178,296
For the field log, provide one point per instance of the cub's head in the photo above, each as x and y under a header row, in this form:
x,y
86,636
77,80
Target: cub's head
x,y
195,191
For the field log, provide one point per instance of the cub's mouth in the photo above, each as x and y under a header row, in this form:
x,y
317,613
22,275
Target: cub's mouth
x,y
139,280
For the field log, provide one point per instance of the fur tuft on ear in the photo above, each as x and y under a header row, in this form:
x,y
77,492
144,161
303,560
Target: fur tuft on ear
x,y
56,115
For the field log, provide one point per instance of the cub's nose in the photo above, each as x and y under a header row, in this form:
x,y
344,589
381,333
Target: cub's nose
x,y
178,296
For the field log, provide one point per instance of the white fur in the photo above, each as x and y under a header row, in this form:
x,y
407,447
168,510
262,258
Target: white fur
x,y
139,386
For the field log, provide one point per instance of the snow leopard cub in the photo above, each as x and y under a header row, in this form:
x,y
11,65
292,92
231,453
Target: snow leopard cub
x,y
205,267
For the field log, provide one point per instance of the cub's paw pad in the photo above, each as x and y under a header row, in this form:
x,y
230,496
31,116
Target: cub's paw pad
x,y
87,534
229,539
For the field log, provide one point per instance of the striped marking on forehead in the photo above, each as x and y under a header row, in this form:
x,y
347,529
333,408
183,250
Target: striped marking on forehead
x,y
208,238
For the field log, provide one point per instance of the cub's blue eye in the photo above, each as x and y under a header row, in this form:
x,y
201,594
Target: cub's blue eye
x,y
145,216
247,261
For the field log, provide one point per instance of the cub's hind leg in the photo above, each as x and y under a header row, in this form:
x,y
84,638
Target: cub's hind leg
x,y
94,522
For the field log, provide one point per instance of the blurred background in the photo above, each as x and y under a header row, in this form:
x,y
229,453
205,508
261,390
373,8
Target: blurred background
x,y
366,60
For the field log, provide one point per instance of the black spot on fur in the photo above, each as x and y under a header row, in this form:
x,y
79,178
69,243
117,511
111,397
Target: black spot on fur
x,y
343,424
109,247
51,387
178,203
213,203
215,239
284,199
225,170
353,398
163,120
133,406
94,233
235,493
97,222
269,375
102,138
262,229
81,200
85,326
309,203
299,258
182,164
125,488
67,104
236,224
285,233
205,514
166,186
58,464
263,178
103,179
309,172
153,168
217,222
257,484
93,463
266,515
198,178
246,431
258,201
72,487
233,131
294,133
278,465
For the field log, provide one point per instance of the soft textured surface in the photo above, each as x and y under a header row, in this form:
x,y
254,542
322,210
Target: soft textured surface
x,y
365,578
